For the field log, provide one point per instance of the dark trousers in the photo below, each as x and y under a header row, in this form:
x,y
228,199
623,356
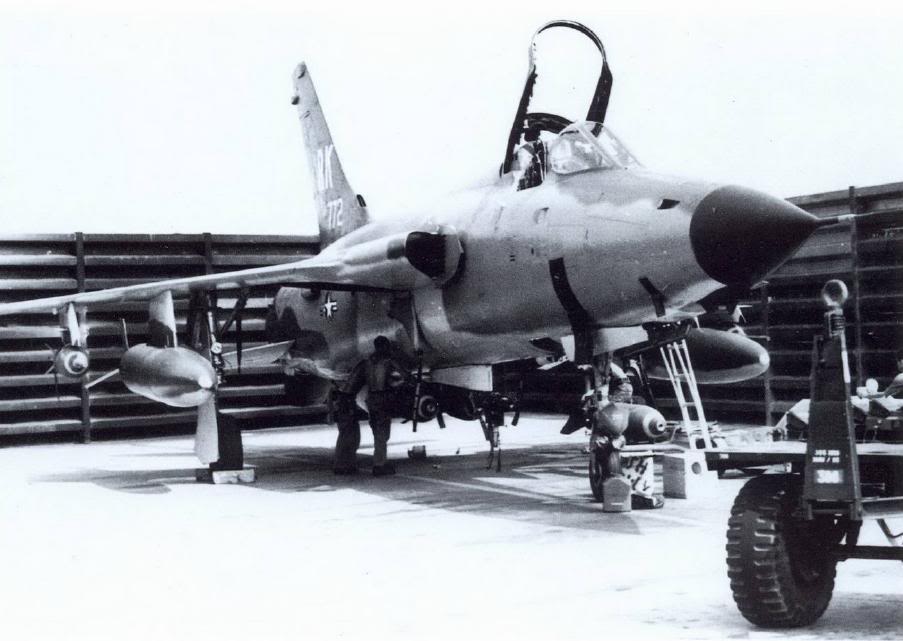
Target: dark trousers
x,y
349,438
380,423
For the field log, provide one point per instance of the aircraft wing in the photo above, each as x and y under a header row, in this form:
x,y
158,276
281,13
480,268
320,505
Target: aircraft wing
x,y
396,262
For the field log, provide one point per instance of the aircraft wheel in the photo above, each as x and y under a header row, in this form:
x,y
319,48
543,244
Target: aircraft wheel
x,y
781,568
603,464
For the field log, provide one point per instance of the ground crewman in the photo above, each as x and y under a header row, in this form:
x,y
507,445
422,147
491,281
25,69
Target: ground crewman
x,y
383,375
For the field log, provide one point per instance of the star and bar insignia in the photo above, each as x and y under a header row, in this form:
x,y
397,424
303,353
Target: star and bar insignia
x,y
329,307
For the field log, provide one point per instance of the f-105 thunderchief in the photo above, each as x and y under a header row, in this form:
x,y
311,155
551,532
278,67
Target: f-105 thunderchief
x,y
572,252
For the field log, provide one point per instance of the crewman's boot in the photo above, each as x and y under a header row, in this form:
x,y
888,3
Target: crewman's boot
x,y
647,501
386,469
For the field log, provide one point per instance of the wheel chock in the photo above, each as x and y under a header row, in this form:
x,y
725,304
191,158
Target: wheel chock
x,y
225,477
686,476
616,494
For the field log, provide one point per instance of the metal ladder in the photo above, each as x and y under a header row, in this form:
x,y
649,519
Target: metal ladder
x,y
676,357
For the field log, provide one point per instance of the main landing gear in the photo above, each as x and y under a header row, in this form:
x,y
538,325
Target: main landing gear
x,y
491,413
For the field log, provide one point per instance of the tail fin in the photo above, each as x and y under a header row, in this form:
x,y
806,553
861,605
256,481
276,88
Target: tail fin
x,y
339,209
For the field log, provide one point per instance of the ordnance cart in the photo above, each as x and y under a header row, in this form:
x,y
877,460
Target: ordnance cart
x,y
787,531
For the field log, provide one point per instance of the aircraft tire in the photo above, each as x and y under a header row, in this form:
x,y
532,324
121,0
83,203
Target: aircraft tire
x,y
603,464
781,568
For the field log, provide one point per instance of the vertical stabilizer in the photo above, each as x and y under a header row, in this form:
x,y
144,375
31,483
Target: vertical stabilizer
x,y
339,209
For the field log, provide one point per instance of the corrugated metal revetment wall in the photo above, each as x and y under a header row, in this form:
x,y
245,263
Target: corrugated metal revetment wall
x,y
868,256
37,266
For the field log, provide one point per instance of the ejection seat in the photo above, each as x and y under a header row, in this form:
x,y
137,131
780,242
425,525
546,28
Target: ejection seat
x,y
531,159
526,152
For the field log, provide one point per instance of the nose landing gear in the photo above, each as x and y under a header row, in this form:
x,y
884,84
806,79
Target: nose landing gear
x,y
601,417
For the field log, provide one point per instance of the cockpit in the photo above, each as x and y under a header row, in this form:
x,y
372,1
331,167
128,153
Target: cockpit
x,y
543,142
587,145
581,146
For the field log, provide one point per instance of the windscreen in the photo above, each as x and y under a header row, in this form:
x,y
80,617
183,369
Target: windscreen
x,y
584,146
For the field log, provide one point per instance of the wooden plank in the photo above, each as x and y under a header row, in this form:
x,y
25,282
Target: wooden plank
x,y
106,399
822,251
34,380
190,416
878,213
45,403
815,301
21,428
36,260
841,195
797,354
249,391
255,260
114,328
93,284
258,239
888,270
145,420
881,191
36,238
225,302
814,200
138,260
782,407
27,356
14,332
783,382
35,284
130,239
276,410
721,404
46,355
232,375
840,264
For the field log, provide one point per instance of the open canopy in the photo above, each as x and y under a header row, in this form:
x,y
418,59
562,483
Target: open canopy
x,y
529,125
578,147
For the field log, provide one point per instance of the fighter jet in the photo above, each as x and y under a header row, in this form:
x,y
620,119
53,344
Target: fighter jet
x,y
572,252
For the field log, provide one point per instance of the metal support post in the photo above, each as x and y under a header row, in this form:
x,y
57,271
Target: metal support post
x,y
84,391
855,284
766,332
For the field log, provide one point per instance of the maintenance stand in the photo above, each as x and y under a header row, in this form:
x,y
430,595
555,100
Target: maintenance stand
x,y
787,532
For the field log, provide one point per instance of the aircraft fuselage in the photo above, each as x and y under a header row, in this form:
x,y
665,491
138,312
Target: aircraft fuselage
x,y
531,257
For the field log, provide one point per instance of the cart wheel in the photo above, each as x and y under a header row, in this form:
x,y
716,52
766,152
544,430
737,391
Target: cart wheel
x,y
603,464
781,568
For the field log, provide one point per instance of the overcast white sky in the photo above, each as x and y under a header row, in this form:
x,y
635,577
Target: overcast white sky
x,y
177,118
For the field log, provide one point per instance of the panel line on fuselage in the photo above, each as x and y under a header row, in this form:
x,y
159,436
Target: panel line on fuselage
x,y
578,317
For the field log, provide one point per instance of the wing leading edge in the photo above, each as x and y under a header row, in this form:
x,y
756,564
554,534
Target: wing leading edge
x,y
399,262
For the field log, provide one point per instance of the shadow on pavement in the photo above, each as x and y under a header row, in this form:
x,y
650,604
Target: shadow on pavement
x,y
545,485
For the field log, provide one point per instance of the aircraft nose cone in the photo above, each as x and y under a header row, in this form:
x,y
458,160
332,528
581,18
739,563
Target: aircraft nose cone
x,y
740,235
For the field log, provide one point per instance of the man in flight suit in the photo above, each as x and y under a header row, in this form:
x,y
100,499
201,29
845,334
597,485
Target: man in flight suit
x,y
382,375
